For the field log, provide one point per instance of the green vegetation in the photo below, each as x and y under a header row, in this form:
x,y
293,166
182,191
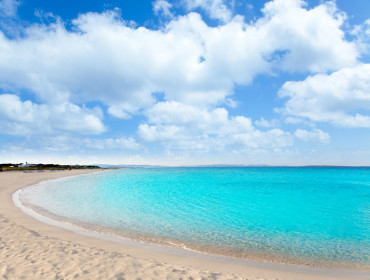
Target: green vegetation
x,y
30,167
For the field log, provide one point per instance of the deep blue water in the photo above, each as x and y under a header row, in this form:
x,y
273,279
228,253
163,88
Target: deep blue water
x,y
296,215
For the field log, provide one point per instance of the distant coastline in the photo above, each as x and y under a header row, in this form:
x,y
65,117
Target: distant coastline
x,y
232,166
35,167
54,167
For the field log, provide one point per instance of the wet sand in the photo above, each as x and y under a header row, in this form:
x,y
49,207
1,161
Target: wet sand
x,y
32,249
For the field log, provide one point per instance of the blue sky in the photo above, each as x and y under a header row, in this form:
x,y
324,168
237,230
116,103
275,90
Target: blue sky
x,y
281,82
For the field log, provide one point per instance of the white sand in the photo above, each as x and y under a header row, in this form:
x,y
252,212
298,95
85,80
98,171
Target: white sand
x,y
30,249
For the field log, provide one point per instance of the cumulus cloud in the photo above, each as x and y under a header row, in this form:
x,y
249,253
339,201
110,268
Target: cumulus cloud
x,y
362,35
306,40
180,126
70,148
215,121
216,9
163,7
28,118
315,135
105,59
341,98
267,123
8,8
112,143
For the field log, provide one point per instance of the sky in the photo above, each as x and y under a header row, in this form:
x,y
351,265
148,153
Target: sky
x,y
185,82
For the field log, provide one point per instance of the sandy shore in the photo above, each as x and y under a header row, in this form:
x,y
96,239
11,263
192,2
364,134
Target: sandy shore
x,y
30,249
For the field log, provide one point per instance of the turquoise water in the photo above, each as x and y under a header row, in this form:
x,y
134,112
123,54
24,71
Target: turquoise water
x,y
318,216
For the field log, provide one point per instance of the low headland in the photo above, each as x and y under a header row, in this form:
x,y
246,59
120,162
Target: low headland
x,y
40,167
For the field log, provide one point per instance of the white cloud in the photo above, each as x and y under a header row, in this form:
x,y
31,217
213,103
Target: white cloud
x,y
162,6
120,111
362,34
306,40
76,144
315,135
341,98
214,121
8,8
216,9
159,133
182,127
112,143
266,123
27,118
106,59
196,67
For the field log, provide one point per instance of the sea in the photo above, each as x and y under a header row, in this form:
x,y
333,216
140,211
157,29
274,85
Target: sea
x,y
317,216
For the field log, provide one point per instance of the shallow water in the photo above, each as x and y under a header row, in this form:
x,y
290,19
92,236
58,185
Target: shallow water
x,y
317,216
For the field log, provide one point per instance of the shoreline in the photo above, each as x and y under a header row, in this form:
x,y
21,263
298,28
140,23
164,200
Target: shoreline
x,y
171,260
100,232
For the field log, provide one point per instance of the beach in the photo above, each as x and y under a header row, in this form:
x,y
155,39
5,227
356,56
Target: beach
x,y
31,249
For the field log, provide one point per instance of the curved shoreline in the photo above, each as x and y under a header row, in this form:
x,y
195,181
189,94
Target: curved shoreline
x,y
153,243
164,254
